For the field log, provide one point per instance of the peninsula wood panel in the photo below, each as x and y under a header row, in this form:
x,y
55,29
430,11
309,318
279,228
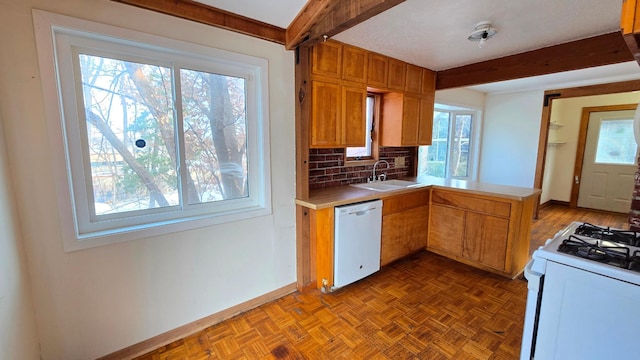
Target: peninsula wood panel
x,y
405,224
485,239
403,234
488,232
479,204
446,229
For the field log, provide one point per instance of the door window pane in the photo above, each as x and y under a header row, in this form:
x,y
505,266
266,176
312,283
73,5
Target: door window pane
x,y
616,143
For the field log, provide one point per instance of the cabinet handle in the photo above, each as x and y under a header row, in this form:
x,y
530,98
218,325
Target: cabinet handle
x,y
577,179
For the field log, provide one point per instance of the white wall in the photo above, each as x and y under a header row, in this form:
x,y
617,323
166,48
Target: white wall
x,y
18,330
92,302
560,160
462,97
510,132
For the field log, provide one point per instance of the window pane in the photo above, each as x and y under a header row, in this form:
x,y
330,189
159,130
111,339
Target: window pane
x,y
616,143
214,110
366,150
130,133
433,158
461,142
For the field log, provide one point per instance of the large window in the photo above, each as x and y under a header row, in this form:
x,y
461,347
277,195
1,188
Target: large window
x,y
449,155
159,133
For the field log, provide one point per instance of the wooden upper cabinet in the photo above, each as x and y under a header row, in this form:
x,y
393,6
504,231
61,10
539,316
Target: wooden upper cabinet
x,y
413,79
396,78
410,120
354,106
354,64
378,68
406,120
326,129
425,124
326,59
428,82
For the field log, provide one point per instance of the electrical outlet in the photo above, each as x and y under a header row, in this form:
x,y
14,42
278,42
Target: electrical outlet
x,y
399,162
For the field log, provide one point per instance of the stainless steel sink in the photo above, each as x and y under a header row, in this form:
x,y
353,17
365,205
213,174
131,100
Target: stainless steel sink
x,y
388,185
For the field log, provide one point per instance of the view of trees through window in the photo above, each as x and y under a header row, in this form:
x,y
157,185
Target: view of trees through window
x,y
448,154
140,135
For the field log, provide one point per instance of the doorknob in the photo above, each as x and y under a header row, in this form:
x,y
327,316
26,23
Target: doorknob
x,y
577,180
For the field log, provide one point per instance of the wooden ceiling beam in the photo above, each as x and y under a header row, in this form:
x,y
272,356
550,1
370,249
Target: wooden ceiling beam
x,y
335,17
312,12
595,51
194,11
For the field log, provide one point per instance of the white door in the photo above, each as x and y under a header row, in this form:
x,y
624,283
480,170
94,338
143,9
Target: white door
x,y
609,164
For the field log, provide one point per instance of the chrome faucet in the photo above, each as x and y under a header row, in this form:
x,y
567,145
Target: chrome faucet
x,y
383,176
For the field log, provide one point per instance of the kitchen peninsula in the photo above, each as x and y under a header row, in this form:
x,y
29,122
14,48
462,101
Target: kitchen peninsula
x,y
483,225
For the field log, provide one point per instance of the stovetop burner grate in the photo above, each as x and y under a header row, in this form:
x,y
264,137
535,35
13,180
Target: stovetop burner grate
x,y
625,237
613,255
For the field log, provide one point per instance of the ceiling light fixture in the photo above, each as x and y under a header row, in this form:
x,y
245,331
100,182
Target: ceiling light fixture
x,y
482,33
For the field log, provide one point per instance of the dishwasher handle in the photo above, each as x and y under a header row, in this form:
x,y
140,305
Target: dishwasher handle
x,y
362,212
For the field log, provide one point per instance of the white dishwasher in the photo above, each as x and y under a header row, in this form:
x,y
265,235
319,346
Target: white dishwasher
x,y
357,241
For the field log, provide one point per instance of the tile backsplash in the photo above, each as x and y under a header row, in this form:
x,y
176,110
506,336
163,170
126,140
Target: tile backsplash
x,y
327,166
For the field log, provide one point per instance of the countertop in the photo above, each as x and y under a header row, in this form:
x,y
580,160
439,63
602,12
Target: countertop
x,y
342,195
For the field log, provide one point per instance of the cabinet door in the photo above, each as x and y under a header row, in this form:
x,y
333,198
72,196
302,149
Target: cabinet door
x,y
428,82
410,119
446,229
425,123
485,239
403,233
378,67
396,77
354,64
326,130
327,59
354,107
413,79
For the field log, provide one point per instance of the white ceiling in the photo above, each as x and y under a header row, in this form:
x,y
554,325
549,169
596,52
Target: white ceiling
x,y
433,33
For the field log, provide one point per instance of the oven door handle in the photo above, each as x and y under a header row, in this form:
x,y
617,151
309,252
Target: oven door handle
x,y
534,285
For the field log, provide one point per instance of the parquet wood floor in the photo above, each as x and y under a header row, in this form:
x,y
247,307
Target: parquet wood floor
x,y
422,307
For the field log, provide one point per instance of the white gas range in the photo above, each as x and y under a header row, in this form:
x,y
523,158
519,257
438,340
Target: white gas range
x,y
584,292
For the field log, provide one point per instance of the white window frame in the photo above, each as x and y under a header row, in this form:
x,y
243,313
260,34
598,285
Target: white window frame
x,y
474,138
58,37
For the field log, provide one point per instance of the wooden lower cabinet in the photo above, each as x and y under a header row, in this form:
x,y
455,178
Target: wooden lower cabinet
x,y
447,230
491,233
405,222
485,239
